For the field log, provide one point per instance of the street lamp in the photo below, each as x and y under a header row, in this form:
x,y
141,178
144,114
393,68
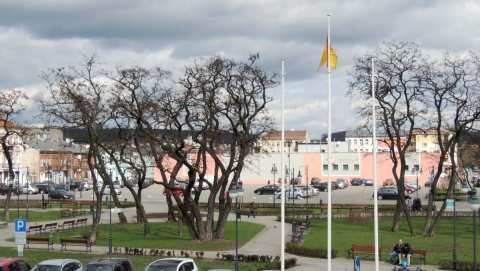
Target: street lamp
x,y
234,193
288,143
417,172
474,205
116,210
28,186
463,189
274,171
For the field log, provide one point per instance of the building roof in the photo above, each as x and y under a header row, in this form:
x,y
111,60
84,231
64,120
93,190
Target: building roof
x,y
289,134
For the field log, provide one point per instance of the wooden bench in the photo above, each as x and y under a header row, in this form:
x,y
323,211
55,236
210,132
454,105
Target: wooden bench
x,y
78,211
68,223
75,242
325,208
33,230
418,254
50,227
36,240
81,222
65,213
367,250
358,207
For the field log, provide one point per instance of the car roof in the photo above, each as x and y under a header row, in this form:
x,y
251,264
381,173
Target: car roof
x,y
57,261
4,261
172,260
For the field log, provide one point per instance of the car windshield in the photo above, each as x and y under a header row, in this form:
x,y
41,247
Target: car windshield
x,y
98,267
46,268
162,267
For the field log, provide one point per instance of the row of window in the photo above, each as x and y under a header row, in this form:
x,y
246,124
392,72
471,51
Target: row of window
x,y
356,167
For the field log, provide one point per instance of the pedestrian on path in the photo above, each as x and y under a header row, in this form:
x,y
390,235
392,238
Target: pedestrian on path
x,y
253,209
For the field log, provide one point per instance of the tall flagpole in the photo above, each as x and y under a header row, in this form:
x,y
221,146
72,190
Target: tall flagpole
x,y
282,189
329,217
375,202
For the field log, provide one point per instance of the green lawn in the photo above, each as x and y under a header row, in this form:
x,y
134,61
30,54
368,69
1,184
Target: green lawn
x,y
345,233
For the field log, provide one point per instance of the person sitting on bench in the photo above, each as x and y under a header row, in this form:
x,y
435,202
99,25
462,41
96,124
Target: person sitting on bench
x,y
406,252
397,251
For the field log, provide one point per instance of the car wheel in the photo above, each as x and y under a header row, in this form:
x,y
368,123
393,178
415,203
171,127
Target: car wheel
x,y
259,192
379,197
409,192
41,192
325,190
30,192
298,196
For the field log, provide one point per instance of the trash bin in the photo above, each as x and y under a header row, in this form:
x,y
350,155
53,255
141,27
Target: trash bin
x,y
294,227
92,208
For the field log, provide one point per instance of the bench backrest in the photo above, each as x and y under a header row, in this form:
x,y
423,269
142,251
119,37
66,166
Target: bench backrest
x,y
74,240
37,239
366,248
51,224
419,251
69,222
82,219
35,227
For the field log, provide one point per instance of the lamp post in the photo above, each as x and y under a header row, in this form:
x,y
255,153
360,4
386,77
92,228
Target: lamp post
x,y
274,171
463,189
234,193
288,143
474,205
28,187
417,172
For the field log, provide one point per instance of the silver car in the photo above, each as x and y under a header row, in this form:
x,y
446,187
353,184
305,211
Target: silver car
x,y
172,264
30,189
59,265
292,193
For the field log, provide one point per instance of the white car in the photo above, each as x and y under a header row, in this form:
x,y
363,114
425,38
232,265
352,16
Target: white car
x,y
292,193
87,186
59,265
172,264
197,184
115,190
30,189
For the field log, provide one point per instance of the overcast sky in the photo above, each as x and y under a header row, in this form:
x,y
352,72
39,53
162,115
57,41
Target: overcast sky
x,y
39,34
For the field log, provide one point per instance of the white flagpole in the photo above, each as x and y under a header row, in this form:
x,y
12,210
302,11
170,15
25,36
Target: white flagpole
x,y
282,217
375,202
330,165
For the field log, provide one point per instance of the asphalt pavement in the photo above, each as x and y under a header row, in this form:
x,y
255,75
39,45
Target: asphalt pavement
x,y
266,242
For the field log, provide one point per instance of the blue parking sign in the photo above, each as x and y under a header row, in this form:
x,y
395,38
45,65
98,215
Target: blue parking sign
x,y
20,225
356,267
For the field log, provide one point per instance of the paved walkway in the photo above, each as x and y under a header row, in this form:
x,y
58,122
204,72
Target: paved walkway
x,y
265,243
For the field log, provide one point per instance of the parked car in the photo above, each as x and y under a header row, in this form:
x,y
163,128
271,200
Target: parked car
x,y
389,192
44,188
117,184
355,181
409,189
60,194
76,186
59,265
110,264
389,182
30,189
87,186
267,189
172,264
342,183
315,180
324,186
64,187
308,190
4,189
367,182
413,184
14,264
115,190
292,193
179,192
197,184
296,180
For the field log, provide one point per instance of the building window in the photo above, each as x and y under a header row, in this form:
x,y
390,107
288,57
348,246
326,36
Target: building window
x,y
335,167
325,167
345,167
356,167
361,141
354,142
424,136
424,145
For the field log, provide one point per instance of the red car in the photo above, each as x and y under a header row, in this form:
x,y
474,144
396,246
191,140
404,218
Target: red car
x,y
410,190
179,192
14,264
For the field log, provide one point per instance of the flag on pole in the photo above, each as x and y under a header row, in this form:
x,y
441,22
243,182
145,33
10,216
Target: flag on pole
x,y
333,57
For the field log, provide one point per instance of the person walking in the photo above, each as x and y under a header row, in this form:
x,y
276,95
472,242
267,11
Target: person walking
x,y
253,209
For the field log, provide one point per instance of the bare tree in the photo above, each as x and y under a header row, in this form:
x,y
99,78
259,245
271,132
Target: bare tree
x,y
11,105
398,104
